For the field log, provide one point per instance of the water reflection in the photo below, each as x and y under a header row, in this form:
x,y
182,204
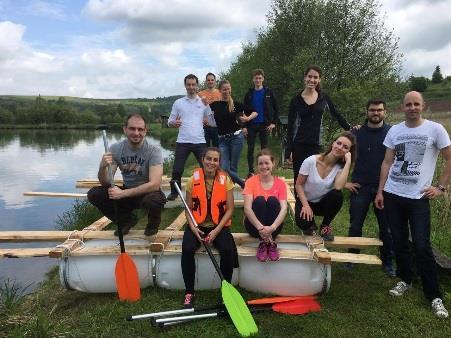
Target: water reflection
x,y
40,160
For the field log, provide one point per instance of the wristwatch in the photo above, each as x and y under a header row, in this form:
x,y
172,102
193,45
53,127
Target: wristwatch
x,y
441,188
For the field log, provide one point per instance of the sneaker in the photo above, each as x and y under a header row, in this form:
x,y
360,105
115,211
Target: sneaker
x,y
326,233
439,309
273,253
400,289
172,196
189,301
389,270
262,252
150,230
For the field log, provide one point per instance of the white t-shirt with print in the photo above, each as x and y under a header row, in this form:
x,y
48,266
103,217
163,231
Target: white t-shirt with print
x,y
416,152
316,187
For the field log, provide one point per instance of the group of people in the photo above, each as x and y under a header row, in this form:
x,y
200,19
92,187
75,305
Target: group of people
x,y
393,169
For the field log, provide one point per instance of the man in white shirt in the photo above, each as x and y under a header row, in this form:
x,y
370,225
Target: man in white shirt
x,y
404,192
187,114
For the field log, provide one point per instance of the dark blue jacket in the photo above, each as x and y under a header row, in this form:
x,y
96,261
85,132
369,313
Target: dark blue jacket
x,y
370,153
270,106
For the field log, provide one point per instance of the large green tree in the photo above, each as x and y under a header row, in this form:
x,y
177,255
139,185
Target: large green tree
x,y
346,38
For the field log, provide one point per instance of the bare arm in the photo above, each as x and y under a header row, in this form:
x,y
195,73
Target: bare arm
x,y
342,177
102,175
385,168
433,192
306,210
281,216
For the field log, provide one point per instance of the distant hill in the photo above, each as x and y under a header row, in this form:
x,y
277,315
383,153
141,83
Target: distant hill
x,y
16,109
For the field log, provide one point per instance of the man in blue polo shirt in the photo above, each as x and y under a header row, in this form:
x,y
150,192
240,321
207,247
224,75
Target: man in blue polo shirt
x,y
259,99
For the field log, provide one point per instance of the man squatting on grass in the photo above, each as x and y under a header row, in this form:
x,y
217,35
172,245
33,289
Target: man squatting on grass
x,y
141,165
404,192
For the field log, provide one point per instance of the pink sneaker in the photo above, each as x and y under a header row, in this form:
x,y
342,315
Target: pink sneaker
x,y
262,252
273,253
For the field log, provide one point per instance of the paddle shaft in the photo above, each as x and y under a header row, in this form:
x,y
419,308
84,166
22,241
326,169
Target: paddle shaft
x,y
110,176
206,246
219,312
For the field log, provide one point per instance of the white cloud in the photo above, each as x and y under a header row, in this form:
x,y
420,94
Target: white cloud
x,y
10,39
424,31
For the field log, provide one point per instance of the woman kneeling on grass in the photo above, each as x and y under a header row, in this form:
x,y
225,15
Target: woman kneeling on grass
x,y
319,183
265,206
209,194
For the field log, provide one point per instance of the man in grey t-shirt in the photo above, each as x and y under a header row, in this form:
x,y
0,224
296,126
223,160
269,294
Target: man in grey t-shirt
x,y
141,165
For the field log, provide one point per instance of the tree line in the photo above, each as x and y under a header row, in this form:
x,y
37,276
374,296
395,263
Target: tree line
x,y
15,110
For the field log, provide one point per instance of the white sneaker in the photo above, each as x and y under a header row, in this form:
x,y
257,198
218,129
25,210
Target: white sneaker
x,y
400,288
439,309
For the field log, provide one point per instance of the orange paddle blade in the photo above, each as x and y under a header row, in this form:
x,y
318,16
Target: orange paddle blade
x,y
298,307
273,300
127,280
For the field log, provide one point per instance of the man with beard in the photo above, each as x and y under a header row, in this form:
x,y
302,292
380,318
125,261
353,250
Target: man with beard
x,y
141,165
365,180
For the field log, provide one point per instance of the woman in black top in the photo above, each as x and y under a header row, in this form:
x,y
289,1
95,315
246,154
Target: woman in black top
x,y
228,115
305,119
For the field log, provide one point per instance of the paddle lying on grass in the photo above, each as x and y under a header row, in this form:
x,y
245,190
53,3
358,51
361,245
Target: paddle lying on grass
x,y
127,279
234,303
294,307
259,301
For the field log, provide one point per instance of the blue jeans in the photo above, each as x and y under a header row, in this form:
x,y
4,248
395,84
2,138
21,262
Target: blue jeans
x,y
358,210
401,213
211,136
230,148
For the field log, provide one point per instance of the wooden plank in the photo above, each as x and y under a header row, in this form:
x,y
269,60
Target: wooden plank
x,y
162,235
344,257
24,252
54,194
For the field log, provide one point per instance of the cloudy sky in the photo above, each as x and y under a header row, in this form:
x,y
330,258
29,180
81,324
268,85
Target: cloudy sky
x,y
143,48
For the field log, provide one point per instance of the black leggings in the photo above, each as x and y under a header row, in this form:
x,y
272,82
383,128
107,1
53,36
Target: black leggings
x,y
328,206
266,212
223,242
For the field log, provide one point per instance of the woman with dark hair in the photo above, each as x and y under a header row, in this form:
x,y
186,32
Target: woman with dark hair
x,y
209,195
229,115
265,206
319,183
305,119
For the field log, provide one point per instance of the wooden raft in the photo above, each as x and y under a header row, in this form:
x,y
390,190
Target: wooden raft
x,y
161,242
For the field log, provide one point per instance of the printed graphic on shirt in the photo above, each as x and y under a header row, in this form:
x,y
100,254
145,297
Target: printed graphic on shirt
x,y
409,154
132,165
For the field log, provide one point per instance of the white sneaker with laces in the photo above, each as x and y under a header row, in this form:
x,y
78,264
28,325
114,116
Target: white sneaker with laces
x,y
400,289
439,309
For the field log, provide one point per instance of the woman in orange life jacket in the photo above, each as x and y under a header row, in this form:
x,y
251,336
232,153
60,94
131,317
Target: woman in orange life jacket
x,y
209,195
265,206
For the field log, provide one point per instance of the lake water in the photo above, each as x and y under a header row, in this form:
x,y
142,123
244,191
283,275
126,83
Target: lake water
x,y
42,160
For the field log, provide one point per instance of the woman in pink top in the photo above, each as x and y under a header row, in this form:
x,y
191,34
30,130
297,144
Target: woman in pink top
x,y
265,206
